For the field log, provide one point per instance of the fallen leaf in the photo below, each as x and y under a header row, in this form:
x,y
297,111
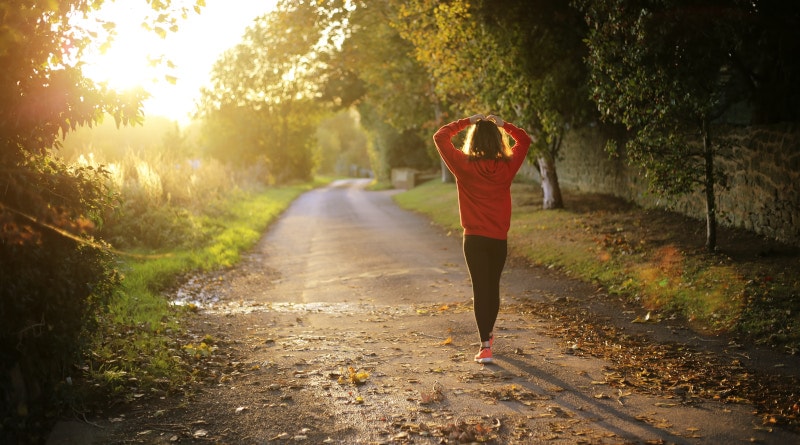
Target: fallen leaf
x,y
200,433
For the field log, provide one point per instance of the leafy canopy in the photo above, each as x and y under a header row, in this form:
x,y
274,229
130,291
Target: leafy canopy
x,y
664,70
263,103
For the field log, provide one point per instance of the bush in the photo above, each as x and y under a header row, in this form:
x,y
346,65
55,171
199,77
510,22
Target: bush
x,y
164,200
54,282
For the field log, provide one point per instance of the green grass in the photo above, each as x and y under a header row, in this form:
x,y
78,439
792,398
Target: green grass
x,y
138,334
434,199
236,228
645,257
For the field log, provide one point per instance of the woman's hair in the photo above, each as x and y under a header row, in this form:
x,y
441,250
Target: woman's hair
x,y
485,141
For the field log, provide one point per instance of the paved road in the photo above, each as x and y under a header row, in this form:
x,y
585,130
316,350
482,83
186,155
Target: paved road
x,y
346,279
341,244
357,256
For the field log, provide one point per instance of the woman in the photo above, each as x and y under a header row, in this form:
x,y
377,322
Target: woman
x,y
484,170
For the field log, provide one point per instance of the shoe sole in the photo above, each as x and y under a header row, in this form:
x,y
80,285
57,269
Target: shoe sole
x,y
484,361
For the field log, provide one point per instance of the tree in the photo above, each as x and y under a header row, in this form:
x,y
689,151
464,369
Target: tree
x,y
54,275
343,144
44,95
375,72
441,43
523,61
543,76
263,103
667,70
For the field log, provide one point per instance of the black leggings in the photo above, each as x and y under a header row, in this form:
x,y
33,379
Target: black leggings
x,y
485,258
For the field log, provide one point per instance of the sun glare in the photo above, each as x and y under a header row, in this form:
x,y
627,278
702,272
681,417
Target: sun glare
x,y
123,67
174,68
126,62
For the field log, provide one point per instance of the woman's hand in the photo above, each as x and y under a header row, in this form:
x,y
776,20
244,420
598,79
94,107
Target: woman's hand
x,y
496,119
475,118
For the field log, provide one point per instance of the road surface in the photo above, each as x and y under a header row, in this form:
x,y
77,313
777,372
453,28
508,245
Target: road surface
x,y
351,323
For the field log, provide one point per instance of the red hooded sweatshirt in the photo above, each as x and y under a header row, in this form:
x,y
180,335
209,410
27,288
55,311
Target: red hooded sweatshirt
x,y
484,186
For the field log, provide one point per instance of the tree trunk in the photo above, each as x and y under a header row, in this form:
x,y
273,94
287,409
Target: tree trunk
x,y
550,188
447,175
711,206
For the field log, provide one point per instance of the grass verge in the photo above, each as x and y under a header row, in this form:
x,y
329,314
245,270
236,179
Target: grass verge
x,y
750,287
138,348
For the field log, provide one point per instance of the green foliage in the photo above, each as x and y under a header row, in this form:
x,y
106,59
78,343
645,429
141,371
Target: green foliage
x,y
162,201
163,196
664,70
137,350
52,292
55,277
669,70
42,90
521,60
448,46
389,148
395,85
342,145
378,132
154,227
375,71
402,153
262,104
655,70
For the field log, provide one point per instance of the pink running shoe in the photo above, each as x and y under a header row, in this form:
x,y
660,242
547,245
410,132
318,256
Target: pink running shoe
x,y
485,356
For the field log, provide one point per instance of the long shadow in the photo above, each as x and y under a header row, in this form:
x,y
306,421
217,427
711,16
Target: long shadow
x,y
609,410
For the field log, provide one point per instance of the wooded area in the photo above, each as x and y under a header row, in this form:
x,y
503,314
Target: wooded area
x,y
658,76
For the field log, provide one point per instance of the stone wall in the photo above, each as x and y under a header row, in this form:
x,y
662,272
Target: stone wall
x,y
763,187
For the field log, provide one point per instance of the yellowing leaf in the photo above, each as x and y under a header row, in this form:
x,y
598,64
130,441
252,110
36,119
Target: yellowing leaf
x,y
447,341
356,377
